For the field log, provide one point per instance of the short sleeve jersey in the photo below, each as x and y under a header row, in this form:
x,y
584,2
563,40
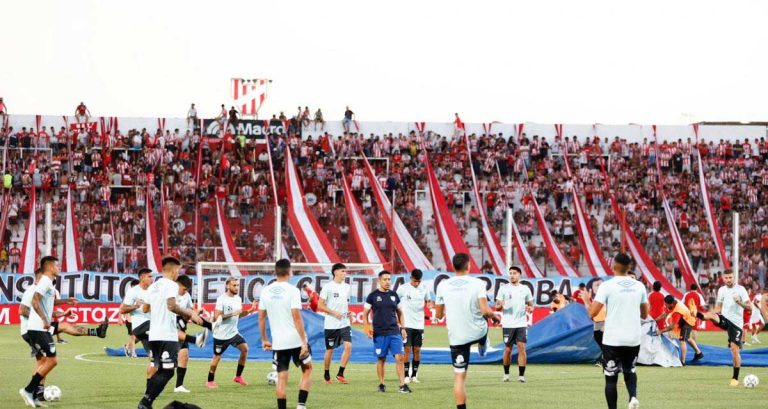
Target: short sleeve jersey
x,y
162,325
279,299
227,304
731,311
26,300
622,297
47,293
412,302
336,297
515,298
460,295
138,316
383,306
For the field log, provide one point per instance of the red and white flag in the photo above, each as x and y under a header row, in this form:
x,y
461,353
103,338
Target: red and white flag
x,y
249,95
71,261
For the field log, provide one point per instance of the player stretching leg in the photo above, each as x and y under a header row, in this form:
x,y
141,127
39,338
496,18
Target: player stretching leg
x,y
413,297
386,328
462,300
229,308
38,327
334,302
281,303
163,335
515,300
626,304
732,300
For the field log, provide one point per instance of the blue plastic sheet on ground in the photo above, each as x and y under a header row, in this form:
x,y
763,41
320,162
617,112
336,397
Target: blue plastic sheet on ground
x,y
561,338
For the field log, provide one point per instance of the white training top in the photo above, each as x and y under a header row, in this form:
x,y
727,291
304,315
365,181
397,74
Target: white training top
x,y
622,297
135,293
336,297
47,291
464,320
227,304
731,311
185,301
412,301
279,299
162,325
26,300
515,298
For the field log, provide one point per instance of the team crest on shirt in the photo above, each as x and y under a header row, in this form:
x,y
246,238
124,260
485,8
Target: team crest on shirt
x,y
392,297
378,298
335,295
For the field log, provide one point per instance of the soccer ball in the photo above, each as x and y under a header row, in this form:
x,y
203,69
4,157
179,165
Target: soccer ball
x,y
53,393
272,378
751,381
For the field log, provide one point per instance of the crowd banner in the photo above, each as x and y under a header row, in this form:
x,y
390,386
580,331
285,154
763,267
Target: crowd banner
x,y
250,128
714,228
451,241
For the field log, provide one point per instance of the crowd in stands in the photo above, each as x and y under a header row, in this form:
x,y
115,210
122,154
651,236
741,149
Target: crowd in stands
x,y
111,174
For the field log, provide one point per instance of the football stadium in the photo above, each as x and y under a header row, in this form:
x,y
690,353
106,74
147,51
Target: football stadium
x,y
459,213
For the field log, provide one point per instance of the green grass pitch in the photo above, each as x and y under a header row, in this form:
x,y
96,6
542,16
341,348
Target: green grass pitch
x,y
90,379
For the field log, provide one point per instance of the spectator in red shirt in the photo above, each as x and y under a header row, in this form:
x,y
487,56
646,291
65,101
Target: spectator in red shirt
x,y
577,294
656,301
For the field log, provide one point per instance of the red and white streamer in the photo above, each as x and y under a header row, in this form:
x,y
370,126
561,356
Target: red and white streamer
x,y
312,241
154,260
231,255
714,228
420,126
38,123
366,246
558,259
29,249
529,267
405,246
519,130
596,262
492,245
684,263
451,242
114,245
71,261
161,124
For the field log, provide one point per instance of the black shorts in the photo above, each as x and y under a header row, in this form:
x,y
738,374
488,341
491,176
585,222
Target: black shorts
x,y
282,359
165,354
618,359
512,336
221,345
334,338
460,354
184,345
735,333
34,351
414,337
129,327
142,334
55,326
42,342
685,330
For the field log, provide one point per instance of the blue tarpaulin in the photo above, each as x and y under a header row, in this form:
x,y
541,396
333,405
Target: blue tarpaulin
x,y
561,338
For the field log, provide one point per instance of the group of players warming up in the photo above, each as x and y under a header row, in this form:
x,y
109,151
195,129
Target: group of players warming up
x,y
160,310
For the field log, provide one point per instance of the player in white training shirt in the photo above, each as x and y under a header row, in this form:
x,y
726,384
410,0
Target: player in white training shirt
x,y
281,303
163,332
463,301
626,302
39,329
414,296
229,309
334,302
515,301
732,300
